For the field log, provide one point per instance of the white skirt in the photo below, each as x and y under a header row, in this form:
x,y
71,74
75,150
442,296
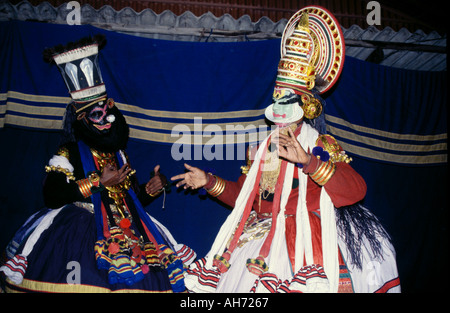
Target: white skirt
x,y
238,279
375,275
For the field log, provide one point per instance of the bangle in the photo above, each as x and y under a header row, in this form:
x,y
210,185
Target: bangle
x,y
156,193
90,185
218,187
84,185
323,174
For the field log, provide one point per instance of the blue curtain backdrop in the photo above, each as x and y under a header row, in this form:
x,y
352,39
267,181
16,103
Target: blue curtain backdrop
x,y
392,122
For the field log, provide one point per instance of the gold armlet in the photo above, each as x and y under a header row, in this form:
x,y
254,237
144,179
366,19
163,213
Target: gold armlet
x,y
245,169
59,169
63,151
323,174
333,148
218,187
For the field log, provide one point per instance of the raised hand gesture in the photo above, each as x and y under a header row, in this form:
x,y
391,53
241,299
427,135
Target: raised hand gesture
x,y
289,148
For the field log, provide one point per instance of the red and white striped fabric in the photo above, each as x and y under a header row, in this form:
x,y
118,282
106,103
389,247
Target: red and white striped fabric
x,y
185,253
200,279
15,268
308,279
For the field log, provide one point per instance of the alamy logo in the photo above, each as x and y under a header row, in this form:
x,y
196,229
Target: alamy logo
x,y
374,16
74,16
200,141
74,276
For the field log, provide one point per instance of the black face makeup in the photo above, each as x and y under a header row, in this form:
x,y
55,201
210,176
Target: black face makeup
x,y
102,126
99,117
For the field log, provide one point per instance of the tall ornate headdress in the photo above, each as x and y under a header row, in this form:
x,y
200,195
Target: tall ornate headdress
x,y
312,56
78,64
312,51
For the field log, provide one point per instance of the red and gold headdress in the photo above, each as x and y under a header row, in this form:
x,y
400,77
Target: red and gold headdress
x,y
312,51
312,56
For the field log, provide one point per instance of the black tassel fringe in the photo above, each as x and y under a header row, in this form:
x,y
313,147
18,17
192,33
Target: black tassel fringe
x,y
356,222
50,52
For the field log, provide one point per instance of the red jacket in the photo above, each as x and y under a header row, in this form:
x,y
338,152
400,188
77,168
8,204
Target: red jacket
x,y
345,187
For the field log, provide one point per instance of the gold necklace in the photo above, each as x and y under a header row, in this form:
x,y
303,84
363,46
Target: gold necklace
x,y
270,173
272,165
271,169
115,192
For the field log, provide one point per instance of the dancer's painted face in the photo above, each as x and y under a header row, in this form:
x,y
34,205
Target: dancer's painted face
x,y
285,106
99,115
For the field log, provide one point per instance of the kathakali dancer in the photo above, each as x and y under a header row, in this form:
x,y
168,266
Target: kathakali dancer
x,y
297,223
94,234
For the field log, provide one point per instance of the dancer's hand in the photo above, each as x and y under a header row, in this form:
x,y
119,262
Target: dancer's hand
x,y
290,149
195,178
111,176
156,184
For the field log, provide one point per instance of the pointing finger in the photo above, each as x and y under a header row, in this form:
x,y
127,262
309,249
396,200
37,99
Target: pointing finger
x,y
180,176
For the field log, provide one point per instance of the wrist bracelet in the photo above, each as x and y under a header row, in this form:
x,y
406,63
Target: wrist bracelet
x,y
84,185
218,187
158,192
90,185
323,173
